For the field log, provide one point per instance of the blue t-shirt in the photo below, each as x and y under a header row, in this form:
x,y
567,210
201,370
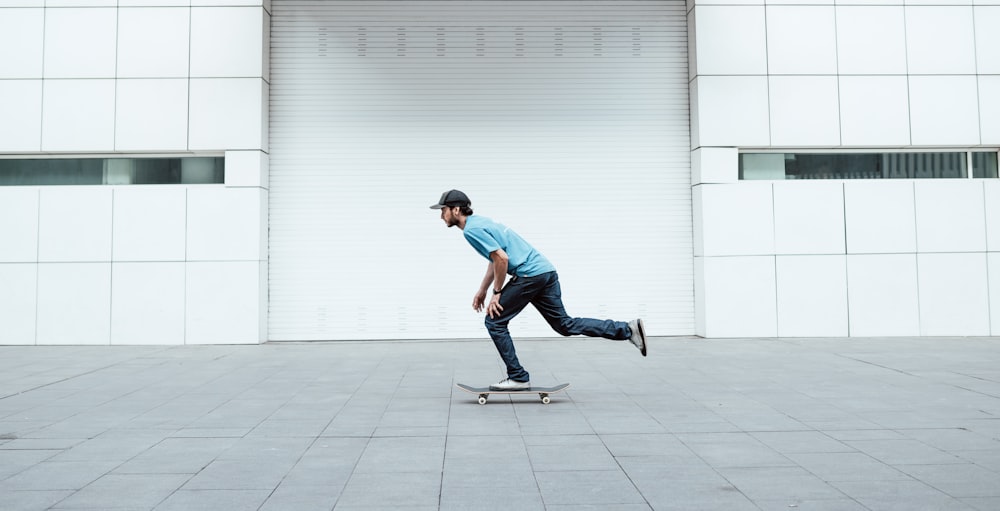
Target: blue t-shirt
x,y
486,236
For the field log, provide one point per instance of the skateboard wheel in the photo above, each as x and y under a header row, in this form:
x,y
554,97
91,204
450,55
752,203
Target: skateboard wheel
x,y
545,399
482,400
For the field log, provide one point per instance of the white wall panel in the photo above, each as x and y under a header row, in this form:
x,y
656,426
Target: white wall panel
x,y
80,43
227,113
78,115
714,165
801,40
992,215
744,49
993,268
147,303
812,296
18,225
987,19
805,110
247,168
954,294
74,224
882,295
226,42
149,223
80,3
731,111
809,218
989,101
880,217
21,107
21,43
944,110
18,285
940,40
225,224
871,40
225,302
740,296
151,115
154,3
22,3
874,111
153,42
734,219
74,303
951,216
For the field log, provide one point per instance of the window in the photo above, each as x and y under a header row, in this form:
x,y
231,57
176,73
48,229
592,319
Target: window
x,y
912,165
111,171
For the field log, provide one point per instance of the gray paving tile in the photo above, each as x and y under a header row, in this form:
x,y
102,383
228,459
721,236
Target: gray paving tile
x,y
847,466
214,500
580,487
291,497
810,505
966,480
64,475
788,483
392,490
124,491
20,500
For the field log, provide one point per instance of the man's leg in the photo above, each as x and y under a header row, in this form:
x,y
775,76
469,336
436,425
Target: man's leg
x,y
514,299
549,303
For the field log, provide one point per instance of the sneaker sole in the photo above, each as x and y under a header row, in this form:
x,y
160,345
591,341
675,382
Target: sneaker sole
x,y
642,335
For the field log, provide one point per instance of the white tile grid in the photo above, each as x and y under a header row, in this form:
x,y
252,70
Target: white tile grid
x,y
18,225
138,102
153,42
21,104
21,43
732,111
883,295
18,303
812,296
944,110
78,115
989,101
940,40
742,52
954,294
871,40
739,296
874,111
804,110
951,215
801,40
80,42
809,218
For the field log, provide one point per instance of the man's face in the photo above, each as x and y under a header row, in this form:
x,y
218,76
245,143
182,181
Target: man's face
x,y
450,216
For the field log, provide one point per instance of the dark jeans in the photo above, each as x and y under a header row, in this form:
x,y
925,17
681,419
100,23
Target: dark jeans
x,y
544,293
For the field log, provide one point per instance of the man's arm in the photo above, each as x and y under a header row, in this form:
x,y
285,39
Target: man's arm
x,y
496,274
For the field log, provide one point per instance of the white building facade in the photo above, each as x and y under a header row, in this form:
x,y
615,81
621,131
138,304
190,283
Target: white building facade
x,y
225,171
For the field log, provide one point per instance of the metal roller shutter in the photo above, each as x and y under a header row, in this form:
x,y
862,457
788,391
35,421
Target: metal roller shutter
x,y
565,120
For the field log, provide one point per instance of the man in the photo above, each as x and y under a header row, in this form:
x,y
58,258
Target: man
x,y
533,280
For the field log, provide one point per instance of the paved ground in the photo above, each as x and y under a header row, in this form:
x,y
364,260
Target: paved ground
x,y
822,424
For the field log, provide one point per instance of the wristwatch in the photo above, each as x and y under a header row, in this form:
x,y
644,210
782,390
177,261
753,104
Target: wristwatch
x,y
497,291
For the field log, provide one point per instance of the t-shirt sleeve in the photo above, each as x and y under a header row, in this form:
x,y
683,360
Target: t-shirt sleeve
x,y
482,241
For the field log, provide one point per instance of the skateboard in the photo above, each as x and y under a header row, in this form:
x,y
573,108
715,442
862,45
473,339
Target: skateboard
x,y
543,392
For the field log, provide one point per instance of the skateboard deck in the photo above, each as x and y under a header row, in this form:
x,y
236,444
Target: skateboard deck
x,y
484,392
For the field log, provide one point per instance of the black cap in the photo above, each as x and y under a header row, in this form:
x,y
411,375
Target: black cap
x,y
452,198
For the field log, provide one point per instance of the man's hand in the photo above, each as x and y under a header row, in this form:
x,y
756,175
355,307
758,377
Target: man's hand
x,y
494,309
478,301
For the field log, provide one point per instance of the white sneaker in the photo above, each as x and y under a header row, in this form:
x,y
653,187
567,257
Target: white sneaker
x,y
638,335
510,384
